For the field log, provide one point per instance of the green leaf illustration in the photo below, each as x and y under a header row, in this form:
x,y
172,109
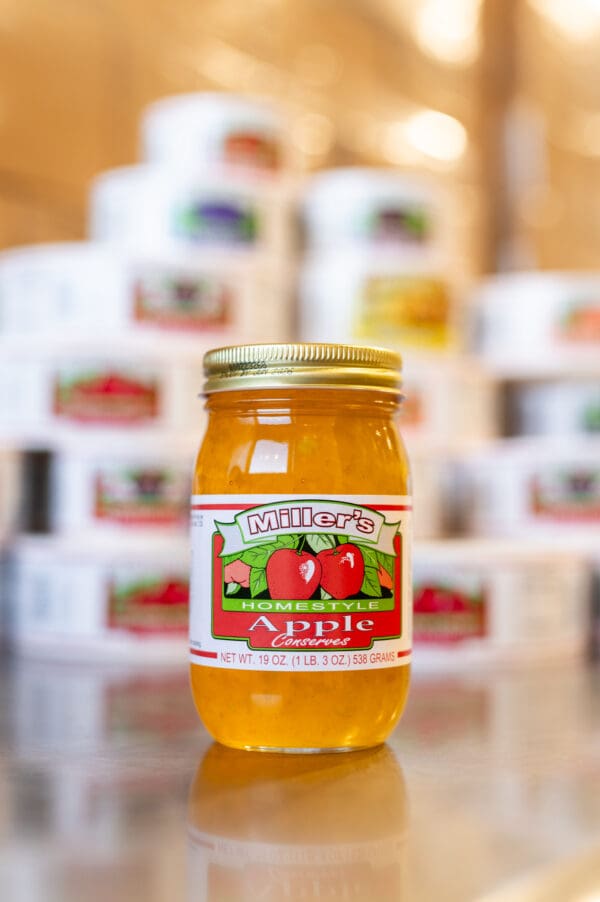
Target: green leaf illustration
x,y
321,542
258,582
229,558
343,540
371,584
324,595
287,541
232,588
258,557
369,556
386,561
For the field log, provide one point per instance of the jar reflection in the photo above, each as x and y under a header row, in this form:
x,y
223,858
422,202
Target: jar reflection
x,y
282,828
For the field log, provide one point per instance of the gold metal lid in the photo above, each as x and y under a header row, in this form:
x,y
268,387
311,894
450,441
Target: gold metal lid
x,y
248,367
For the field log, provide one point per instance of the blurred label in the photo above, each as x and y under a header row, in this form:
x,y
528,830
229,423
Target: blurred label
x,y
445,612
141,496
251,149
105,396
170,300
217,221
149,605
411,309
580,323
566,494
398,225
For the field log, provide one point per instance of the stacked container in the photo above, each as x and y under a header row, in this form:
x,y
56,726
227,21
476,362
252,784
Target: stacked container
x,y
375,272
373,267
102,346
539,333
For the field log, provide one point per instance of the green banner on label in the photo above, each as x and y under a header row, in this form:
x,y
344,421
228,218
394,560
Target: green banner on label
x,y
317,606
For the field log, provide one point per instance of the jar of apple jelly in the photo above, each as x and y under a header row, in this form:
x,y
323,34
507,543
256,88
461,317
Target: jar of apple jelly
x,y
300,622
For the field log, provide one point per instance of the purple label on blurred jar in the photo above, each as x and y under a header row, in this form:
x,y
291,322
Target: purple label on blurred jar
x,y
399,225
216,222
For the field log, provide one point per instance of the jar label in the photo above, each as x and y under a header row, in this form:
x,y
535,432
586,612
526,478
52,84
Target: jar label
x,y
416,309
579,323
301,583
144,495
106,395
179,300
69,599
206,221
566,493
398,224
251,149
449,608
151,605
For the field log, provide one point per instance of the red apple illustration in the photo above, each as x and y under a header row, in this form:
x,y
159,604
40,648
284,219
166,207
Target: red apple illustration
x,y
291,574
343,570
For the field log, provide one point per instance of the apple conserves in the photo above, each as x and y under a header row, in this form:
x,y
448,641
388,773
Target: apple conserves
x,y
288,638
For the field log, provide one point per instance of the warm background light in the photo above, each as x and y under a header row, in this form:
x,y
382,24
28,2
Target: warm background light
x,y
449,29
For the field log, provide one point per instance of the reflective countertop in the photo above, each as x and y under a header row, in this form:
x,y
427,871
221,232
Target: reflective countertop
x,y
111,790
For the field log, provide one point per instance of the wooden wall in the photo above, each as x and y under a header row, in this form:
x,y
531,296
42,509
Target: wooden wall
x,y
75,75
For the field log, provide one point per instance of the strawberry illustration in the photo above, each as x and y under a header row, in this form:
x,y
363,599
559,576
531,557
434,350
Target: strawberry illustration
x,y
292,574
343,570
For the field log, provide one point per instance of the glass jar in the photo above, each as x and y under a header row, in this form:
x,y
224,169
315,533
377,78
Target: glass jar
x,y
300,622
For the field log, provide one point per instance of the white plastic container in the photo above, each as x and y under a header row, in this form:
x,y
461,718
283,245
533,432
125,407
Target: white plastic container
x,y
85,600
445,404
87,288
532,487
11,476
429,474
125,487
53,390
222,132
154,207
558,407
480,603
540,322
372,208
366,298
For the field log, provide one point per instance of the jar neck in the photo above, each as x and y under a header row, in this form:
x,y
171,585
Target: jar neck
x,y
323,401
